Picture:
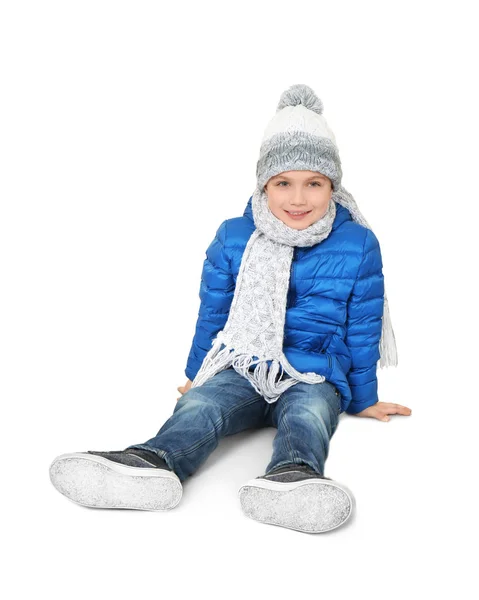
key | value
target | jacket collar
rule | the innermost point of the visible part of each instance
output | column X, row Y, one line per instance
column 342, row 214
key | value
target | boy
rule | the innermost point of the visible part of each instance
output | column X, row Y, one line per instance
column 292, row 322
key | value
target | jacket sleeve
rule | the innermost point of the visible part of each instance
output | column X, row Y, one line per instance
column 364, row 326
column 216, row 294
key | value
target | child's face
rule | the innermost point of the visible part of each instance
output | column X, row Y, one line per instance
column 298, row 191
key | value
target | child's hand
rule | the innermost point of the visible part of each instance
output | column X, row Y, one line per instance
column 185, row 388
column 381, row 410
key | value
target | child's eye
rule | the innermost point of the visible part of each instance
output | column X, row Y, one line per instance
column 313, row 183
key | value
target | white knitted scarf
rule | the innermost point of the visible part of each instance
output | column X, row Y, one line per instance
column 253, row 334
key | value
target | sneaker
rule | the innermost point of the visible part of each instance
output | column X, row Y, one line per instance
column 132, row 478
column 297, row 497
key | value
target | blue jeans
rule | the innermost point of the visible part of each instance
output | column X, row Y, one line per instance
column 305, row 416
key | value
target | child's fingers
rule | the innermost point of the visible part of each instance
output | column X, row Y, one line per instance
column 389, row 408
column 393, row 408
column 376, row 413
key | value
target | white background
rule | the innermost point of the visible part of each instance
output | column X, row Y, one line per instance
column 129, row 132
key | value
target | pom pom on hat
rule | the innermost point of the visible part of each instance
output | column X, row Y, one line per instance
column 301, row 94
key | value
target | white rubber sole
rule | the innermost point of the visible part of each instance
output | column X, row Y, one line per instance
column 97, row 482
column 310, row 505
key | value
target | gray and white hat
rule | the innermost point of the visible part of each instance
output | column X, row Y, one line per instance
column 298, row 138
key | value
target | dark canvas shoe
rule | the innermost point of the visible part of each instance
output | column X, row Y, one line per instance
column 296, row 497
column 132, row 478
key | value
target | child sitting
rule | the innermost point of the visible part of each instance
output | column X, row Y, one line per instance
column 292, row 322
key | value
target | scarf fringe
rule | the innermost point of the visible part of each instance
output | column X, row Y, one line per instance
column 215, row 361
column 387, row 345
column 262, row 378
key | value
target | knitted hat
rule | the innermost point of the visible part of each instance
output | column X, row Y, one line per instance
column 298, row 138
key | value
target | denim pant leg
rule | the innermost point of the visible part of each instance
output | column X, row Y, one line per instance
column 306, row 417
column 225, row 404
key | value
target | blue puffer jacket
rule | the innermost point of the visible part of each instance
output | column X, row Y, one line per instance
column 334, row 308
